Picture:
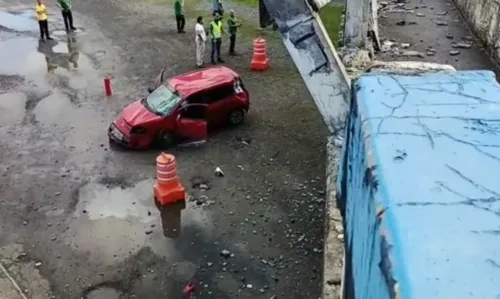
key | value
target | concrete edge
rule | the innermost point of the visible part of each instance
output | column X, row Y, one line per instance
column 334, row 256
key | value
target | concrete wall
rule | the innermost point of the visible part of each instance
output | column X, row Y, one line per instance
column 418, row 187
column 484, row 18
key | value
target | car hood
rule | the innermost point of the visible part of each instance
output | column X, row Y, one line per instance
column 136, row 114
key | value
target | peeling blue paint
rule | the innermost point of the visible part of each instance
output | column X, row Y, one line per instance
column 419, row 186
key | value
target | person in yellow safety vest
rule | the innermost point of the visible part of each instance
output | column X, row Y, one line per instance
column 41, row 14
column 216, row 32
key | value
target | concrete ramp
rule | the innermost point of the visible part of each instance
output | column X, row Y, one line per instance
column 418, row 187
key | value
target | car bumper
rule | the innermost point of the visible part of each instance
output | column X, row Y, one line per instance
column 120, row 140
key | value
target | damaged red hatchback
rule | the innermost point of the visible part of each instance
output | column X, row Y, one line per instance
column 182, row 108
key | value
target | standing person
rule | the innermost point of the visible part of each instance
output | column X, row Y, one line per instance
column 65, row 6
column 41, row 13
column 233, row 24
column 179, row 15
column 216, row 31
column 217, row 7
column 200, row 39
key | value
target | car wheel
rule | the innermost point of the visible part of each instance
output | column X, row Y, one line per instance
column 236, row 117
column 165, row 139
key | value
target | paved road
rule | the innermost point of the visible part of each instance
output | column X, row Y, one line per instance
column 432, row 25
column 74, row 213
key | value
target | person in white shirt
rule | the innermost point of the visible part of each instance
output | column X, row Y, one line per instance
column 200, row 39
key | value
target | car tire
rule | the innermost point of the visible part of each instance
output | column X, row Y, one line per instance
column 236, row 117
column 165, row 139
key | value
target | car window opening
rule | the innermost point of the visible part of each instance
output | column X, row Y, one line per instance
column 194, row 112
column 162, row 100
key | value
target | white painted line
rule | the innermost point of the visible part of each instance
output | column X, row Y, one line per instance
column 14, row 283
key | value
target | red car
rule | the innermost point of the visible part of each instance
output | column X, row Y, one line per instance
column 182, row 108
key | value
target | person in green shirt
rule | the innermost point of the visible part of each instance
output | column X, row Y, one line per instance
column 179, row 15
column 233, row 24
column 65, row 6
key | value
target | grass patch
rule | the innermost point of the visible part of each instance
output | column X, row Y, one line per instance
column 254, row 3
column 331, row 15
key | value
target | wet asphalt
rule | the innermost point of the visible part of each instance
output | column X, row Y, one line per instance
column 77, row 219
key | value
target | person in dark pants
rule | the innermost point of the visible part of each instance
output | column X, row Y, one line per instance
column 179, row 15
column 217, row 7
column 41, row 14
column 233, row 25
column 216, row 31
column 65, row 6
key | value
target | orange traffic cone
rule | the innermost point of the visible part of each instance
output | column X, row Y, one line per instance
column 260, row 62
column 167, row 189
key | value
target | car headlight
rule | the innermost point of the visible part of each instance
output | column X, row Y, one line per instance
column 137, row 130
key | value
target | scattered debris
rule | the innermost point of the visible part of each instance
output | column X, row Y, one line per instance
column 420, row 15
column 244, row 141
column 249, row 286
column 449, row 36
column 405, row 45
column 209, row 264
column 461, row 45
column 441, row 23
column 412, row 23
column 149, row 232
column 442, row 13
column 225, row 253
column 401, row 23
column 189, row 289
column 412, row 54
column 430, row 52
column 218, row 172
column 454, row 52
column 197, row 143
column 38, row 264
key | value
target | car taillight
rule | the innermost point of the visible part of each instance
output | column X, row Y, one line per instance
column 137, row 130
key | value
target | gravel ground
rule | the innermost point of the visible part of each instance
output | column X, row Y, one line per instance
column 433, row 31
column 77, row 218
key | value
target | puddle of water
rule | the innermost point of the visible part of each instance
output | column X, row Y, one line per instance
column 104, row 293
column 61, row 47
column 112, row 223
column 20, row 57
column 101, row 202
column 12, row 108
column 53, row 109
column 24, row 21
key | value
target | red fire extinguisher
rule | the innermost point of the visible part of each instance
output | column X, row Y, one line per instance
column 107, row 86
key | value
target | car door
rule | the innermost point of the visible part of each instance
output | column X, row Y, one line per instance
column 219, row 101
column 191, row 123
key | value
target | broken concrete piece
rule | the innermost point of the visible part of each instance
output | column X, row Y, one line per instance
column 401, row 23
column 420, row 15
column 412, row 54
column 454, row 53
column 441, row 23
column 405, row 46
column 462, row 46
column 218, row 172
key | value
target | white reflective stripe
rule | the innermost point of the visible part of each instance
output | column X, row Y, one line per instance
column 166, row 168
column 165, row 173
column 166, row 180
column 160, row 164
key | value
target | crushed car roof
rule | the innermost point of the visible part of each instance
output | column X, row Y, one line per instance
column 193, row 82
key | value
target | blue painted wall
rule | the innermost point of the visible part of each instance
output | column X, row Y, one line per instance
column 419, row 186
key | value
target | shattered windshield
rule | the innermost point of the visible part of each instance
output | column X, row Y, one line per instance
column 163, row 100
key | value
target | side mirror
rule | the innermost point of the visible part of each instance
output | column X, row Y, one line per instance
column 150, row 90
